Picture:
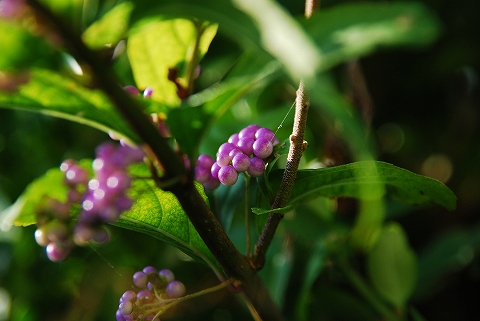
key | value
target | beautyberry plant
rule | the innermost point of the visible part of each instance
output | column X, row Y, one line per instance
column 154, row 182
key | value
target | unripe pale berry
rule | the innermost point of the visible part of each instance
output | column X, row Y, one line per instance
column 241, row 162
column 227, row 175
column 175, row 289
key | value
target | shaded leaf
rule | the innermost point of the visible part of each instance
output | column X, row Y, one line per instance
column 359, row 178
column 262, row 211
column 446, row 254
column 392, row 265
column 313, row 268
column 110, row 28
column 157, row 45
column 348, row 31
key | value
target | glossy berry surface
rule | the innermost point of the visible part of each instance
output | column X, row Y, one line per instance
column 235, row 156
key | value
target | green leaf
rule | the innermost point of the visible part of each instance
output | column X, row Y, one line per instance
column 159, row 214
column 110, row 28
column 157, row 45
column 232, row 22
column 262, row 211
column 52, row 94
column 155, row 212
column 190, row 123
column 392, row 265
column 363, row 179
column 314, row 266
column 22, row 212
column 348, row 31
column 18, row 52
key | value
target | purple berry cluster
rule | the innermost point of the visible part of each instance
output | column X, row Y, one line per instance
column 155, row 290
column 100, row 200
column 243, row 152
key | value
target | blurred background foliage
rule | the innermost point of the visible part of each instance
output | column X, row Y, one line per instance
column 425, row 118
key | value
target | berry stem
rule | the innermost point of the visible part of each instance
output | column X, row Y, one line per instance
column 194, row 59
column 247, row 216
column 232, row 261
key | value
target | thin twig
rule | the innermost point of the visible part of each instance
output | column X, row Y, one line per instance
column 297, row 146
column 247, row 217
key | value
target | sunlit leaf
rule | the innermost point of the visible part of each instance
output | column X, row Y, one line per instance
column 155, row 212
column 392, row 265
column 22, row 212
column 110, row 28
column 52, row 94
column 159, row 214
column 232, row 22
column 21, row 50
column 158, row 45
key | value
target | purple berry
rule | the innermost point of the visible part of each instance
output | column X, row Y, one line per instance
column 264, row 133
column 245, row 144
column 125, row 308
column 140, row 279
column 233, row 139
column 57, row 252
column 212, row 183
column 205, row 161
column 147, row 93
column 167, row 275
column 228, row 175
column 128, row 296
column 175, row 289
column 214, row 171
column 131, row 90
column 82, row 234
column 248, row 131
column 202, row 174
column 118, row 181
column 262, row 147
column 145, row 297
column 124, row 203
column 256, row 168
column 76, row 176
column 226, row 148
column 150, row 271
column 234, row 152
column 241, row 162
column 223, row 158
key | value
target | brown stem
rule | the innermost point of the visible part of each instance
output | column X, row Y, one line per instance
column 208, row 227
column 297, row 146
